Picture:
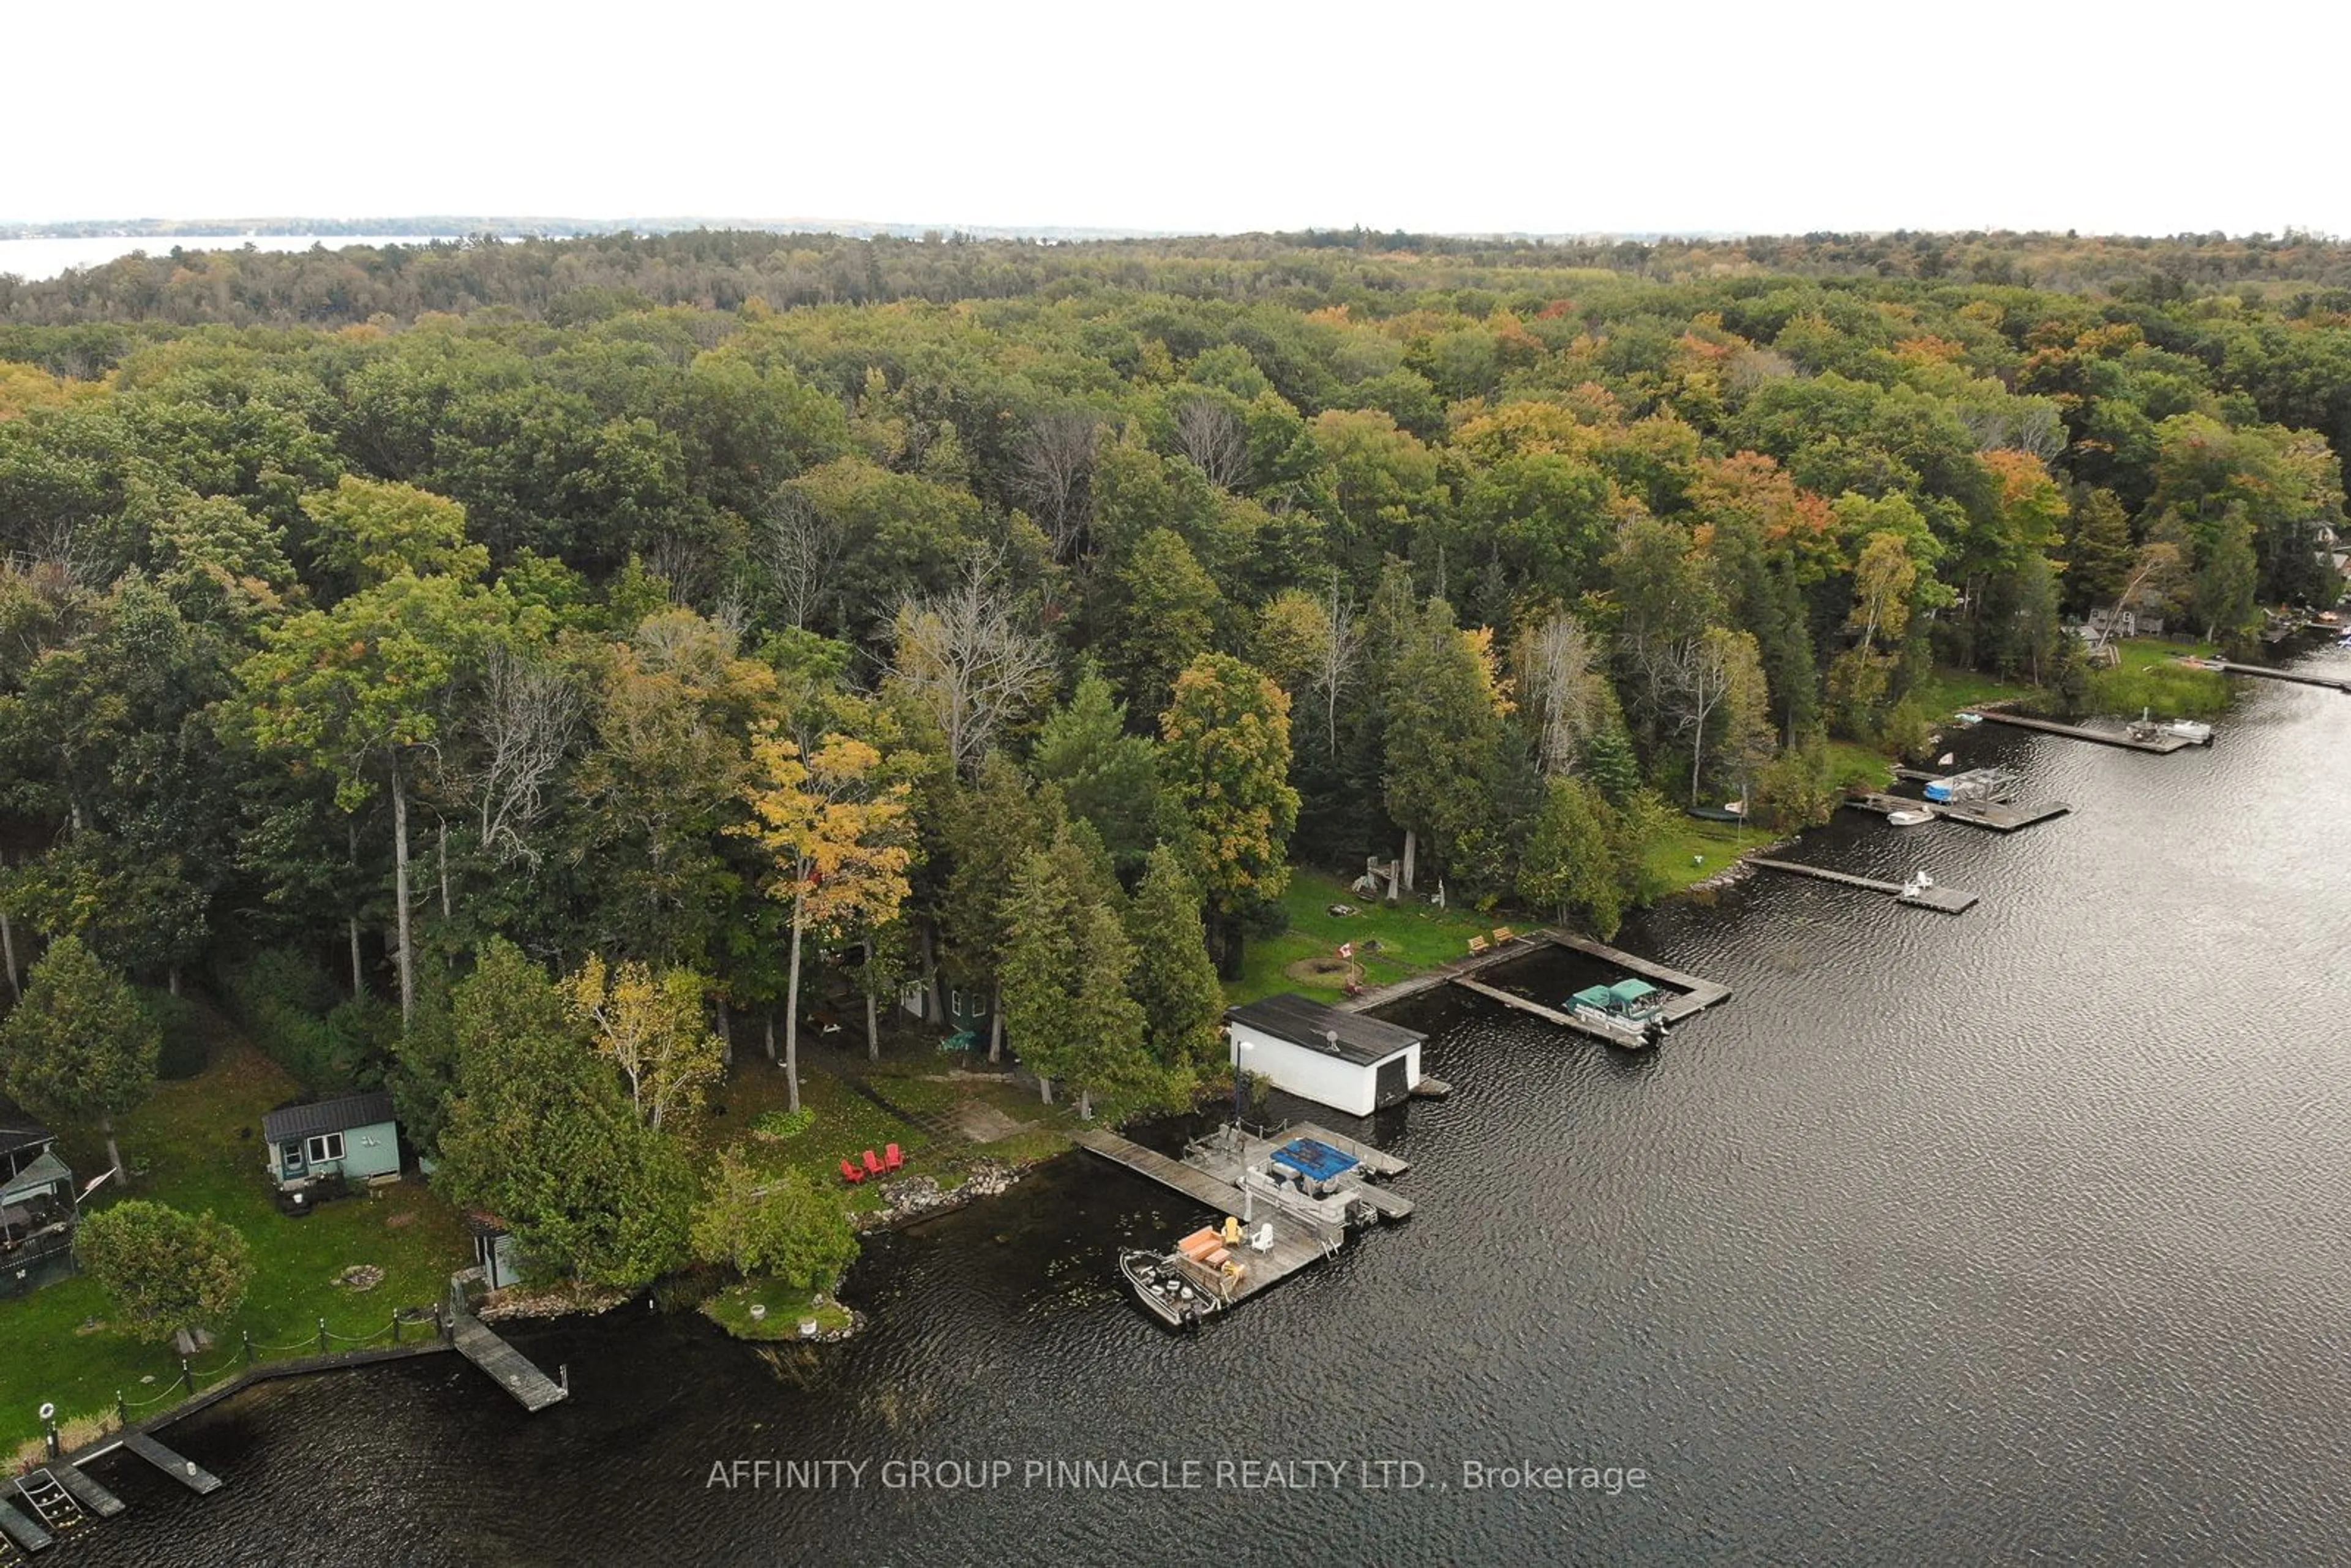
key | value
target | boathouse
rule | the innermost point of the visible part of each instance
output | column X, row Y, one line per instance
column 352, row 1138
column 37, row 1206
column 1345, row 1060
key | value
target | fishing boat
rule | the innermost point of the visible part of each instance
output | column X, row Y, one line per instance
column 1160, row 1284
column 2191, row 729
column 1630, row 1012
column 1909, row 816
column 1970, row 719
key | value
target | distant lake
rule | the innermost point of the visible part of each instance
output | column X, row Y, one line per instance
column 31, row 259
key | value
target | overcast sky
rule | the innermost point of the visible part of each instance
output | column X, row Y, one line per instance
column 1466, row 116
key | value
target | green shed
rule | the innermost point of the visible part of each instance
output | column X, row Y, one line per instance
column 353, row 1138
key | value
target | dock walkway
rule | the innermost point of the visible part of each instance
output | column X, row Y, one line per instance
column 1429, row 979
column 2263, row 672
column 2161, row 744
column 2001, row 816
column 84, row 1491
column 1696, row 995
column 187, row 1472
column 19, row 1529
column 509, row 1367
column 1948, row 900
column 1195, row 1184
column 1549, row 1015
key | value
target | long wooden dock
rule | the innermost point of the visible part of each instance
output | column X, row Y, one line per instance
column 1429, row 979
column 509, row 1367
column 2001, row 816
column 1549, row 1015
column 84, row 1491
column 2263, row 672
column 1197, row 1185
column 187, row 1472
column 2160, row 745
column 1948, row 900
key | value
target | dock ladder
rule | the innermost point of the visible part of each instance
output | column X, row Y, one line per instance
column 51, row 1504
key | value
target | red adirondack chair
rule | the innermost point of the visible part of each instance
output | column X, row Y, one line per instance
column 892, row 1157
column 852, row 1173
column 872, row 1162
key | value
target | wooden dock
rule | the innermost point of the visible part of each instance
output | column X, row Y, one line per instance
column 1429, row 979
column 2263, row 672
column 1696, row 995
column 2160, row 745
column 1226, row 1172
column 1948, row 900
column 20, row 1532
column 509, row 1367
column 84, row 1491
column 187, row 1472
column 1549, row 1015
column 2001, row 816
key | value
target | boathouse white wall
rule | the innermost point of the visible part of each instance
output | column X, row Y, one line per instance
column 1316, row 1075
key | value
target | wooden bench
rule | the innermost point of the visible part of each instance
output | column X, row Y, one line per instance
column 1477, row 944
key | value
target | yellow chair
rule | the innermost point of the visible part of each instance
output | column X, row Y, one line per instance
column 1477, row 944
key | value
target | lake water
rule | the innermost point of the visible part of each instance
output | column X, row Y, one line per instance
column 32, row 259
column 2015, row 1234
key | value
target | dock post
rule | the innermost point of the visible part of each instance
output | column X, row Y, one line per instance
column 248, row 1347
column 563, row 1376
column 187, row 1377
column 49, row 1430
column 322, row 1337
column 122, row 1410
column 395, row 1326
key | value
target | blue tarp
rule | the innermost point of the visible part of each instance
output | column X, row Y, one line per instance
column 1318, row 1159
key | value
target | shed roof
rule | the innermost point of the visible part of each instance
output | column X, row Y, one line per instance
column 1351, row 1036
column 326, row 1116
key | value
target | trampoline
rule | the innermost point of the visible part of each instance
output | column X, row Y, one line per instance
column 1313, row 1158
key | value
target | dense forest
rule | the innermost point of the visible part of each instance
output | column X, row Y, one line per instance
column 711, row 618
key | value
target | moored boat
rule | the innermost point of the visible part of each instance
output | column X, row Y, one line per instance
column 1630, row 1012
column 1160, row 1284
column 1909, row 816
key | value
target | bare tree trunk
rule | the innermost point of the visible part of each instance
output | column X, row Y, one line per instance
column 399, row 894
column 792, row 1011
column 931, row 973
column 726, row 1034
column 8, row 955
column 771, row 1035
column 872, row 1008
column 1045, row 1088
column 1411, row 842
column 113, row 1152
column 995, row 1025
column 1086, row 1104
column 444, row 871
column 359, row 973
column 171, row 979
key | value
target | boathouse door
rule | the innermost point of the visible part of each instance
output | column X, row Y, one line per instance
column 1391, row 1087
column 290, row 1162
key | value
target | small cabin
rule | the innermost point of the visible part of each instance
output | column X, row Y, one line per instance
column 352, row 1138
column 37, row 1206
column 1342, row 1059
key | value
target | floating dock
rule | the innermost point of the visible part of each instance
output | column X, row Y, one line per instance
column 1948, row 900
column 20, row 1530
column 508, row 1367
column 187, row 1472
column 2263, row 672
column 84, row 1491
column 2001, row 816
column 1226, row 1172
column 2161, row 744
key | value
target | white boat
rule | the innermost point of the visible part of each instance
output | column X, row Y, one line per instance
column 2191, row 729
column 1909, row 816
column 1630, row 1012
column 1970, row 719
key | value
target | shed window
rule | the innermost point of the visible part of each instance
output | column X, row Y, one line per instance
column 326, row 1147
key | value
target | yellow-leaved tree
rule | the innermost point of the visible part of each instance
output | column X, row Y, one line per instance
column 836, row 832
column 653, row 1027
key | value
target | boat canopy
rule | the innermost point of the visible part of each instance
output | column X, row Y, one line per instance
column 1631, row 993
column 1600, row 997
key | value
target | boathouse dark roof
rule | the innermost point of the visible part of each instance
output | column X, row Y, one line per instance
column 1365, row 1041
column 326, row 1116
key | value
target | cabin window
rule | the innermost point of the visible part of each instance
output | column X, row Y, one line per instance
column 955, row 1003
column 326, row 1147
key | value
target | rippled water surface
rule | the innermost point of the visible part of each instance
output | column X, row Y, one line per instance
column 2018, row 1232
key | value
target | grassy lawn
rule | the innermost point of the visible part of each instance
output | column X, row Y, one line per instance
column 786, row 1306
column 2150, row 676
column 1690, row 851
column 1948, row 691
column 1411, row 936
column 845, row 1122
column 199, row 1141
column 1855, row 767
